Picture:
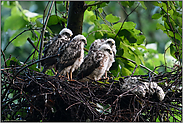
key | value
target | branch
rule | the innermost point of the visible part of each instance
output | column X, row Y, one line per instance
column 43, row 31
column 136, row 64
column 19, row 35
column 3, row 95
column 125, row 20
column 28, row 39
column 4, row 58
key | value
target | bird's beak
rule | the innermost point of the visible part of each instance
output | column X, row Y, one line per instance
column 110, row 52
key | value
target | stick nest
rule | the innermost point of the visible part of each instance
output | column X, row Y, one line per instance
column 34, row 96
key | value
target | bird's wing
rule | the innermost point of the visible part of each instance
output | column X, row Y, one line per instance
column 48, row 45
column 69, row 54
column 91, row 62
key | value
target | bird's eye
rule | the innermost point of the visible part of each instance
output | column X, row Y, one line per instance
column 110, row 42
column 68, row 35
column 108, row 50
column 83, row 40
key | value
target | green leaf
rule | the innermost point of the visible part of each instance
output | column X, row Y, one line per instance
column 129, row 25
column 53, row 20
column 92, row 18
column 100, row 10
column 180, row 4
column 103, row 4
column 128, row 35
column 117, row 26
column 140, row 39
column 156, row 3
column 14, row 22
column 172, row 50
column 143, row 5
column 112, row 18
column 39, row 24
column 156, row 16
column 34, row 67
column 127, row 3
column 88, row 17
column 125, row 72
column 13, row 61
column 137, row 60
column 8, row 4
column 105, row 27
column 15, row 11
column 89, row 2
column 143, row 47
column 59, row 2
column 21, row 39
column 31, row 16
column 160, row 26
column 120, row 52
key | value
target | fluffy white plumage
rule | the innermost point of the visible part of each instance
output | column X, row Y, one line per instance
column 71, row 56
column 98, row 43
column 52, row 47
column 95, row 63
column 66, row 34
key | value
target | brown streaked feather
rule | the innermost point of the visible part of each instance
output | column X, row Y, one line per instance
column 91, row 62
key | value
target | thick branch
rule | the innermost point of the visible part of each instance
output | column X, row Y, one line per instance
column 75, row 17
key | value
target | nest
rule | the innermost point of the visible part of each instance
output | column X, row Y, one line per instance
column 40, row 97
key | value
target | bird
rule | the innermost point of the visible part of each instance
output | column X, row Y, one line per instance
column 71, row 56
column 98, row 43
column 95, row 64
column 53, row 46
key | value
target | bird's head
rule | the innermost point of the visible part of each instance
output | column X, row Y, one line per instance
column 106, row 48
column 110, row 41
column 67, row 32
column 80, row 38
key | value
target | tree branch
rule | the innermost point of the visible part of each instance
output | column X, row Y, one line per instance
column 43, row 31
column 136, row 64
column 126, row 19
column 19, row 35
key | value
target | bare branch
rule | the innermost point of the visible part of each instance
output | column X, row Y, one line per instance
column 43, row 31
column 125, row 20
column 136, row 63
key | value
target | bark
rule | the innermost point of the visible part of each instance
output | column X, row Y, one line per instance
column 75, row 17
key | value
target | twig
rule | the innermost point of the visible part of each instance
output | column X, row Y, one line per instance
column 134, row 69
column 136, row 63
column 125, row 20
column 35, row 63
column 28, row 39
column 3, row 95
column 4, row 58
column 72, row 105
column 43, row 31
column 29, row 56
column 122, row 8
column 105, row 22
column 19, row 35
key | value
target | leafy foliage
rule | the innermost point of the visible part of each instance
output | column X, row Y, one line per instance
column 131, row 41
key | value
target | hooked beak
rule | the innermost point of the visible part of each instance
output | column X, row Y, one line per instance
column 85, row 44
column 110, row 52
